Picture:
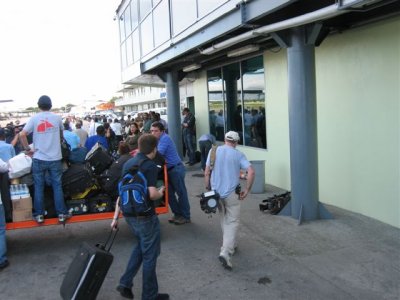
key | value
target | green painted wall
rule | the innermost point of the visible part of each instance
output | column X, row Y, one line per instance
column 358, row 120
column 358, row 106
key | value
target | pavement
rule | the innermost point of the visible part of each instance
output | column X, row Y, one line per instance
column 348, row 257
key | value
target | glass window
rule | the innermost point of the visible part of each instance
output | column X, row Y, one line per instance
column 129, row 51
column 236, row 99
column 136, row 44
column 216, row 105
column 144, row 8
column 254, row 102
column 184, row 13
column 206, row 6
column 122, row 27
column 146, row 32
column 134, row 14
column 127, row 20
column 123, row 55
column 161, row 27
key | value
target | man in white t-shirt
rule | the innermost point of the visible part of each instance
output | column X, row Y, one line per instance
column 47, row 131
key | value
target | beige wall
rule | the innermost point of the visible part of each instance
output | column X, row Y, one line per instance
column 358, row 105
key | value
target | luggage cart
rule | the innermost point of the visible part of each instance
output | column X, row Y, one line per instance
column 161, row 209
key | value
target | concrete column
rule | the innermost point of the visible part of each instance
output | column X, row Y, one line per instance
column 173, row 110
column 303, row 126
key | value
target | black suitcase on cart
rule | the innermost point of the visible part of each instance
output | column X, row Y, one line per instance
column 98, row 159
column 87, row 271
column 76, row 179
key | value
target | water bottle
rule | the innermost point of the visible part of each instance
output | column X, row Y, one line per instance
column 12, row 192
column 25, row 191
column 19, row 191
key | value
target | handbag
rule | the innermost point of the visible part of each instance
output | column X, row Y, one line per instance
column 19, row 165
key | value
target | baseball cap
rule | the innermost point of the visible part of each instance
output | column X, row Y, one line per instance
column 232, row 136
column 44, row 101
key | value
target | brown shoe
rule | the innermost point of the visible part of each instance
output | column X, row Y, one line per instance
column 181, row 221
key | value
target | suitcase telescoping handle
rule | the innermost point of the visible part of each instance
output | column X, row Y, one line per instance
column 109, row 241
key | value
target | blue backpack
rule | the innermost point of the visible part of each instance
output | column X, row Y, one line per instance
column 133, row 193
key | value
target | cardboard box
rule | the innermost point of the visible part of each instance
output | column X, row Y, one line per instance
column 22, row 204
column 22, row 215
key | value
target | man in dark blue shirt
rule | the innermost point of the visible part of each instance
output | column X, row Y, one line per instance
column 146, row 227
column 176, row 176
column 99, row 137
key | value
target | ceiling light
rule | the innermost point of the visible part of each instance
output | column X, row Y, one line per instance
column 244, row 50
column 192, row 67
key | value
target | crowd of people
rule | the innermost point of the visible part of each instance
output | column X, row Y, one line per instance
column 145, row 137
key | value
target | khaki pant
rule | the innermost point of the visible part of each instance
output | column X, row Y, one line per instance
column 229, row 211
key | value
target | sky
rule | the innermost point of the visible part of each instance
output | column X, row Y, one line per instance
column 66, row 49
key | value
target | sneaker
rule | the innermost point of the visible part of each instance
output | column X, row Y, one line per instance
column 63, row 217
column 172, row 220
column 162, row 297
column 125, row 292
column 225, row 261
column 181, row 221
column 39, row 219
column 4, row 265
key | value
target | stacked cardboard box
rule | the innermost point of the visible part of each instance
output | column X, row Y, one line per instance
column 22, row 209
column 21, row 203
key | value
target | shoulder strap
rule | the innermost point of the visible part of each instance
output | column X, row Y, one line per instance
column 213, row 155
column 138, row 166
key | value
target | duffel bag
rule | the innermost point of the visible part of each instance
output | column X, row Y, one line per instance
column 76, row 179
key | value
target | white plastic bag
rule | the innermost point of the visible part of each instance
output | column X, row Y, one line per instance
column 19, row 165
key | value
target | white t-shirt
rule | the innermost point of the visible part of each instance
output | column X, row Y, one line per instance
column 46, row 128
column 116, row 127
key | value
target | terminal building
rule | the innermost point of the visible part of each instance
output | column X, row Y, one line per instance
column 312, row 87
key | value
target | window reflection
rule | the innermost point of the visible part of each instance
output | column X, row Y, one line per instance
column 237, row 100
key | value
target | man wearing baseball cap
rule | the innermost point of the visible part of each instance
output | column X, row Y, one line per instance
column 228, row 161
column 47, row 129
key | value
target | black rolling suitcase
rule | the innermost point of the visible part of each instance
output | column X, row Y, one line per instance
column 87, row 271
column 98, row 159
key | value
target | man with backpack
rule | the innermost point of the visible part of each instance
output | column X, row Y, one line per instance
column 137, row 189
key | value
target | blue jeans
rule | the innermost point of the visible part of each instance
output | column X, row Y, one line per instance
column 205, row 147
column 176, row 184
column 146, row 251
column 190, row 147
column 3, row 245
column 54, row 169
